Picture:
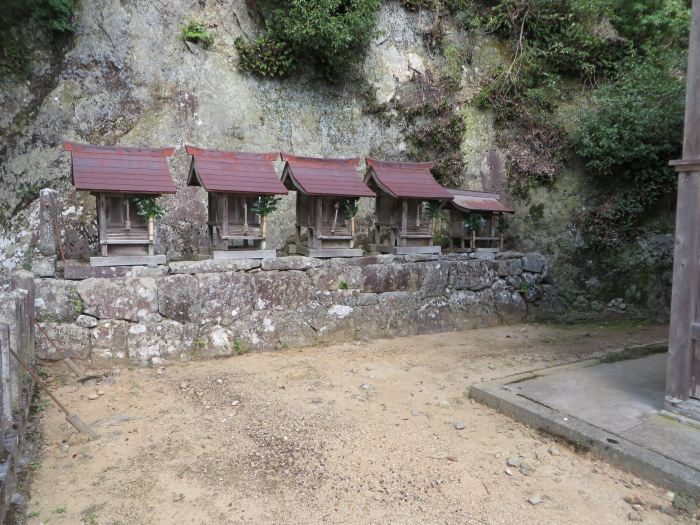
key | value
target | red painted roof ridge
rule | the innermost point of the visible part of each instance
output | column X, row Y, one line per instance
column 229, row 154
column 320, row 160
column 398, row 164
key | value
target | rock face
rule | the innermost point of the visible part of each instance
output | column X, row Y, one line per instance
column 299, row 301
column 111, row 88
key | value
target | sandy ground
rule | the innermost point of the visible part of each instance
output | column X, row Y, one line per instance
column 361, row 432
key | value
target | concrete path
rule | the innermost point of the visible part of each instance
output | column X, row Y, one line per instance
column 614, row 408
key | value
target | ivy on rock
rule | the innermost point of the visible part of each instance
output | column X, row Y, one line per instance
column 325, row 35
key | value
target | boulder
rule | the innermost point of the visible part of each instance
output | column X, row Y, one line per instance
column 534, row 263
column 86, row 321
column 178, row 298
column 73, row 341
column 281, row 290
column 56, row 300
column 399, row 310
column 506, row 267
column 226, row 297
column 217, row 341
column 111, row 336
column 293, row 262
column 470, row 275
column 165, row 339
column 44, row 265
column 391, row 277
column 214, row 265
column 128, row 298
column 434, row 278
column 336, row 277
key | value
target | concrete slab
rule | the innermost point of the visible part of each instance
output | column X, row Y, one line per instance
column 614, row 409
column 613, row 396
column 128, row 260
column 326, row 253
column 244, row 254
column 668, row 437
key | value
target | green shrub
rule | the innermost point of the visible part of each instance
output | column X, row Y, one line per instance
column 196, row 32
column 147, row 207
column 625, row 142
column 265, row 57
column 327, row 35
column 20, row 20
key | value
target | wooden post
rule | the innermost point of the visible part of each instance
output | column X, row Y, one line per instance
column 5, row 376
column 102, row 218
column 683, row 368
column 473, row 241
column 318, row 243
column 404, row 223
column 245, row 215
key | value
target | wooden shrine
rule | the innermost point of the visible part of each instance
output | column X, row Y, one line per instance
column 475, row 217
column 118, row 177
column 327, row 191
column 404, row 191
column 238, row 186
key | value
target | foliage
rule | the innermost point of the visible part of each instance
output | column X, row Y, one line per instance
column 503, row 224
column 238, row 347
column 625, row 143
column 438, row 130
column 147, row 207
column 652, row 24
column 326, row 35
column 265, row 56
column 20, row 20
column 433, row 210
column 196, row 32
column 628, row 52
column 349, row 207
column 474, row 222
column 265, row 205
column 56, row 15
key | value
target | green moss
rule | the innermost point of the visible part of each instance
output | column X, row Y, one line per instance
column 196, row 32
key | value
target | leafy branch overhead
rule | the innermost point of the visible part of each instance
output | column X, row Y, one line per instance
column 325, row 35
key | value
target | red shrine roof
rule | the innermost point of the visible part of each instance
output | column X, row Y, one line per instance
column 405, row 180
column 331, row 177
column 465, row 200
column 234, row 172
column 120, row 169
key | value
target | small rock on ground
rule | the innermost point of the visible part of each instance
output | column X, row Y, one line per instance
column 513, row 462
column 534, row 500
column 459, row 425
column 92, row 396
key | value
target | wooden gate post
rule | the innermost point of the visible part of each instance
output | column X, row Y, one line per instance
column 683, row 368
column 5, row 381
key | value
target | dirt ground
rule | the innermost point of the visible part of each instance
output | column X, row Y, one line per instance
column 362, row 432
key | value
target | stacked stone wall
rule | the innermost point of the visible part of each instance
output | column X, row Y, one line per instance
column 218, row 308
